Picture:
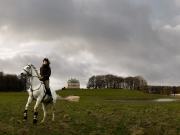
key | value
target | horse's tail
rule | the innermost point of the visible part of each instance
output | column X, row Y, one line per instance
column 69, row 98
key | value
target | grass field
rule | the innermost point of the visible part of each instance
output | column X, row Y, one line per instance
column 99, row 112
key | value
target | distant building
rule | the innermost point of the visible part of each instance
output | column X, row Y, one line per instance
column 73, row 84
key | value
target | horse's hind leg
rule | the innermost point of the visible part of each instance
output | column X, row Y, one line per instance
column 53, row 111
column 26, row 107
column 45, row 113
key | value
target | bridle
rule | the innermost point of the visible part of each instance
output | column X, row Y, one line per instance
column 29, row 74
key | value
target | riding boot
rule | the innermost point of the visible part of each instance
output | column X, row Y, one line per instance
column 48, row 91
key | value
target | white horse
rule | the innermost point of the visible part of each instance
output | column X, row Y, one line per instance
column 37, row 91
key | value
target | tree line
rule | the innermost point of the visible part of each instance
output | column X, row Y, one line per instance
column 165, row 90
column 116, row 82
column 10, row 82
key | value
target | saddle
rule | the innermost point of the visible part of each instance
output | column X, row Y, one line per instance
column 49, row 99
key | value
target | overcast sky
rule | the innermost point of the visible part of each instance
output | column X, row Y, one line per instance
column 89, row 37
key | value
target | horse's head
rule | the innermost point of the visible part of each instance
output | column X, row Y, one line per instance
column 27, row 71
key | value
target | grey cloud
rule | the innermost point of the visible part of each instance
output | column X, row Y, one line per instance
column 101, row 20
column 124, row 36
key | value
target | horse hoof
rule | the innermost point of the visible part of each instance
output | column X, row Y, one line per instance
column 34, row 121
column 25, row 119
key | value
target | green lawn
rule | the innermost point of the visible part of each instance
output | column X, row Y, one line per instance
column 95, row 114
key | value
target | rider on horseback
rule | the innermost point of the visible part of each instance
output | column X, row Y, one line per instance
column 45, row 72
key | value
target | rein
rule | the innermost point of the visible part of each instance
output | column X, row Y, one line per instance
column 30, row 75
column 37, row 88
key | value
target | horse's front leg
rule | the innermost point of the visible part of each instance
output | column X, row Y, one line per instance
column 38, row 101
column 26, row 107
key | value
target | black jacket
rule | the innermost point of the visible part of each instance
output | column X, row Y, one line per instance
column 45, row 72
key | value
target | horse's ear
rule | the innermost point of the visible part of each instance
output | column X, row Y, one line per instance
column 29, row 64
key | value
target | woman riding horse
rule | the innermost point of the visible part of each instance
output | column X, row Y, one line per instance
column 37, row 90
column 45, row 72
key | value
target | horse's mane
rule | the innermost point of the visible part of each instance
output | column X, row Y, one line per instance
column 35, row 69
